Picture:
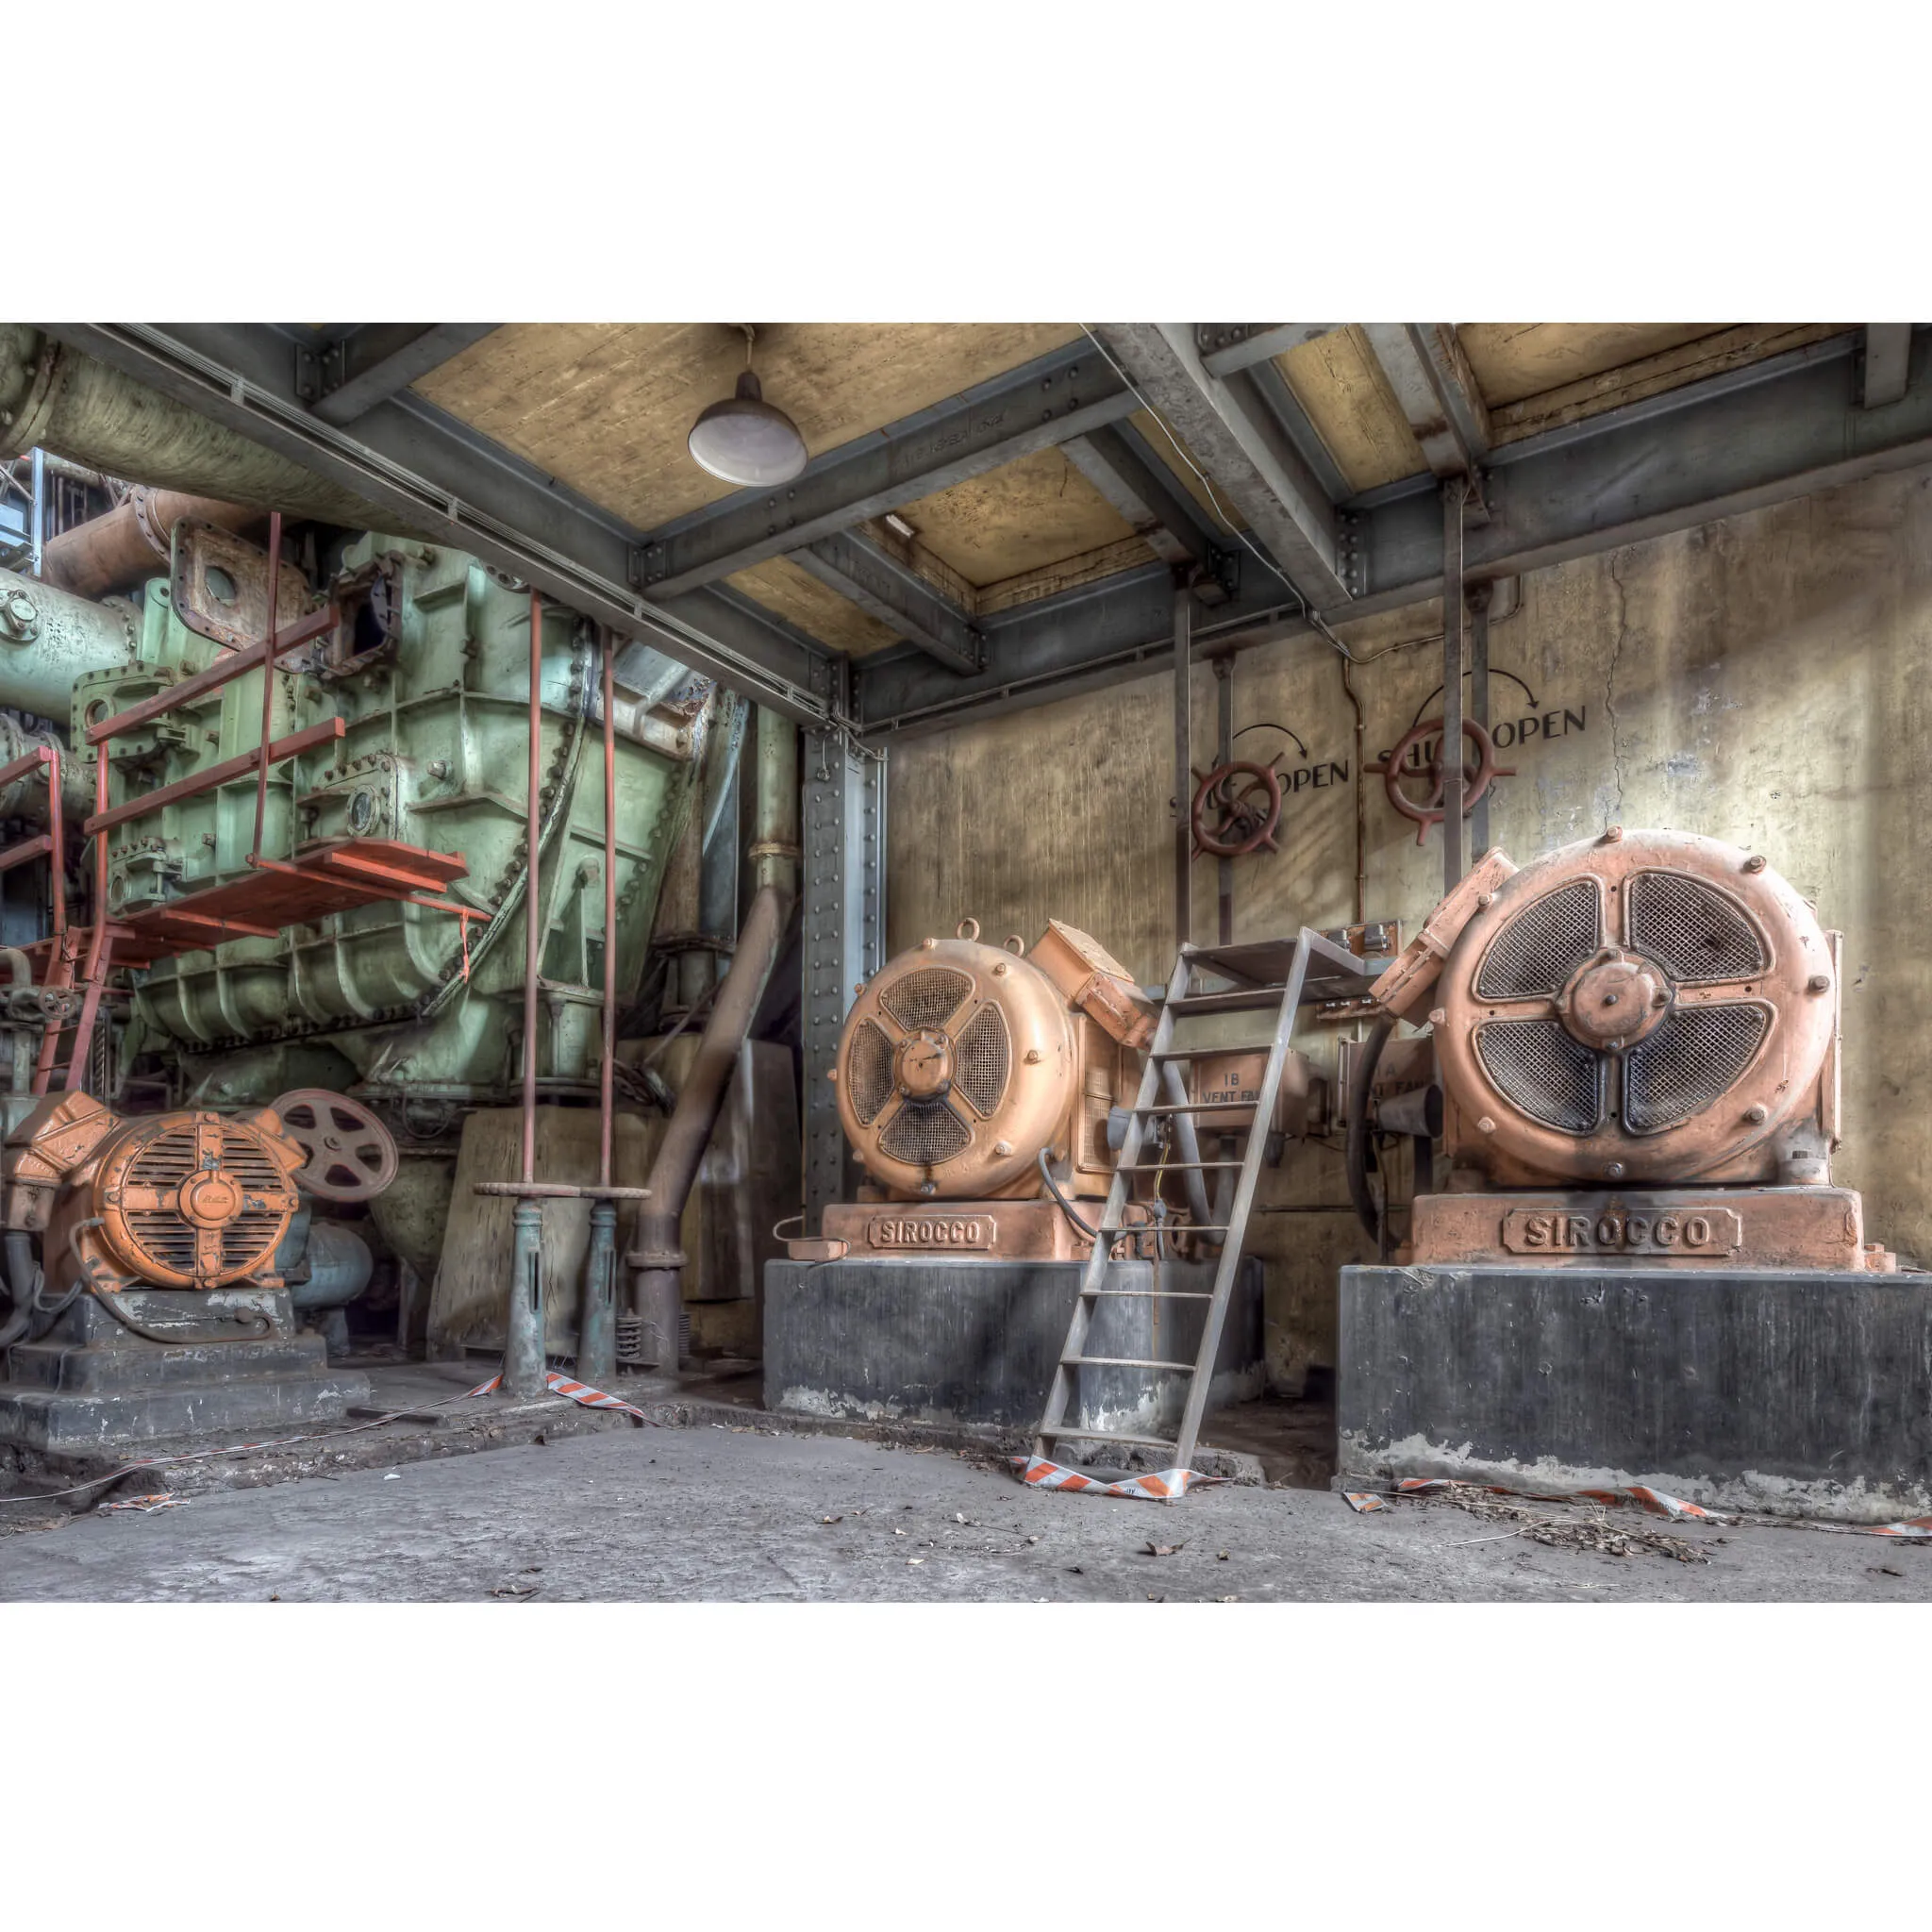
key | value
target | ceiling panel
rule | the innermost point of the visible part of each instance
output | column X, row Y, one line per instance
column 799, row 598
column 1341, row 386
column 1514, row 359
column 1019, row 517
column 605, row 407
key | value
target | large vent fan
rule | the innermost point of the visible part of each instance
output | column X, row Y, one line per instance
column 1634, row 1005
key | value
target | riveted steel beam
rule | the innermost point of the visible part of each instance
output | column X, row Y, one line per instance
column 1742, row 442
column 1437, row 393
column 346, row 378
column 896, row 595
column 442, row 480
column 1044, row 402
column 1225, row 347
column 1119, row 463
column 1232, row 442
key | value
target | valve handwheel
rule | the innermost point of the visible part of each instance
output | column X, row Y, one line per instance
column 350, row 1155
column 1245, row 800
column 1428, row 811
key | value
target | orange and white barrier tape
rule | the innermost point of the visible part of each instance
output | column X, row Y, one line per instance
column 1164, row 1486
column 573, row 1390
column 1655, row 1501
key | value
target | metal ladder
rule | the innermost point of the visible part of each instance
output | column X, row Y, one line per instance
column 1281, row 973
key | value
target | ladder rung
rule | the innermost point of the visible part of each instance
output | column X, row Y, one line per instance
column 1164, row 1227
column 1197, row 1107
column 1121, row 1361
column 1209, row 1053
column 1248, row 1001
column 1179, row 1166
column 1107, row 1436
column 1152, row 1294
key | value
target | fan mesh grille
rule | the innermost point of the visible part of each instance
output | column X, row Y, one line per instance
column 1545, row 943
column 981, row 1060
column 1695, row 933
column 168, row 1238
column 869, row 1071
column 924, row 1133
column 1538, row 1066
column 927, row 997
column 1693, row 1059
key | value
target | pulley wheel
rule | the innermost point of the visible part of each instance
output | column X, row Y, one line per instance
column 349, row 1155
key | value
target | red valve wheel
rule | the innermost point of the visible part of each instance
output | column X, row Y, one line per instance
column 350, row 1155
column 1428, row 811
column 1245, row 800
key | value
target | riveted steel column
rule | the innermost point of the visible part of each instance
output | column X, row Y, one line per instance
column 1183, row 763
column 844, row 933
column 1479, row 703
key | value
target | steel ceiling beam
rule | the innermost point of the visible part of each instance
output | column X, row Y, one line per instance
column 441, row 478
column 1120, row 464
column 1437, row 390
column 346, row 378
column 1798, row 425
column 1887, row 352
column 1225, row 347
column 896, row 595
column 1239, row 447
column 1044, row 402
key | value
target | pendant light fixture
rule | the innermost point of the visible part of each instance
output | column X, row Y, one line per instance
column 743, row 439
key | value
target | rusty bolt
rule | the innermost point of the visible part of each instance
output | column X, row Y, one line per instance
column 905, row 1092
column 439, row 768
column 831, row 1072
column 1819, row 982
column 1437, row 1015
column 926, row 945
column 1002, row 1147
column 927, row 1189
column 1754, row 863
column 1484, row 901
column 858, row 986
column 1486, row 1125
column 1034, row 1056
column 1614, row 1172
column 1613, row 835
column 999, row 968
column 1758, row 1115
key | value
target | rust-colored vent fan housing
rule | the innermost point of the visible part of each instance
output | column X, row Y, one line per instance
column 1643, row 1008
column 962, row 1062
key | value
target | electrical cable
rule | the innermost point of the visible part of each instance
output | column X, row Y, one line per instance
column 1092, row 1234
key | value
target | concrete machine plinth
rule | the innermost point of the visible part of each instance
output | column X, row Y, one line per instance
column 931, row 1339
column 241, row 1365
column 1791, row 1394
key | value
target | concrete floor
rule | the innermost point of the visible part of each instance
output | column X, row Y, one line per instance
column 715, row 1513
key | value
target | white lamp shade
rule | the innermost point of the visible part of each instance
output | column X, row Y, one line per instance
column 745, row 440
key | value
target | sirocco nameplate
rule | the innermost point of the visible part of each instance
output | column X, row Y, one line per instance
column 931, row 1231
column 1715, row 1232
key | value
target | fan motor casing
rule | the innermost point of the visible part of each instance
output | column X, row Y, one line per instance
column 1678, row 926
column 952, row 1052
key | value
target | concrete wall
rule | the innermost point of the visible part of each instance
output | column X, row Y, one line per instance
column 1761, row 680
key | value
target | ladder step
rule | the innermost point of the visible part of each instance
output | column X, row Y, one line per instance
column 1180, row 1166
column 1121, row 1361
column 1250, row 1001
column 1108, row 1435
column 1151, row 1294
column 1158, row 1227
column 1196, row 1107
column 1209, row 1053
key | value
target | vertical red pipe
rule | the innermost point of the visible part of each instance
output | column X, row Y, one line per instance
column 100, row 928
column 533, row 911
column 268, row 673
column 57, row 839
column 604, row 1085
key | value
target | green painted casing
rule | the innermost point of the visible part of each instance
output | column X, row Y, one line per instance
column 434, row 754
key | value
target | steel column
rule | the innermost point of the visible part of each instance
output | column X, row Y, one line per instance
column 1449, row 760
column 844, row 937
column 1183, row 763
column 1478, row 598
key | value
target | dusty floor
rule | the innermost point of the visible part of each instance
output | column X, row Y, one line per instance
column 710, row 1513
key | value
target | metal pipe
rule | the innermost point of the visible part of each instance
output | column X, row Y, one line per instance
column 132, row 541
column 533, row 897
column 606, row 1072
column 1361, row 822
column 1479, row 599
column 1189, row 1142
column 1449, row 758
column 65, row 402
column 1223, row 753
column 49, row 638
column 268, row 677
column 1183, row 763
column 656, row 1294
column 37, row 515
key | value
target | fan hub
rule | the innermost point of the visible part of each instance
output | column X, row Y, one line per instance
column 924, row 1064
column 1614, row 1001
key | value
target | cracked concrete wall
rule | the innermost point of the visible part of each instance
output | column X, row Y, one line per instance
column 1761, row 680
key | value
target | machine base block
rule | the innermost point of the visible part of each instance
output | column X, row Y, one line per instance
column 1786, row 1393
column 91, row 1383
column 938, row 1340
